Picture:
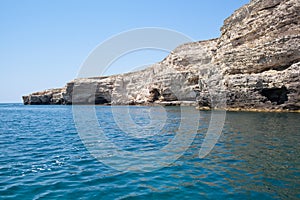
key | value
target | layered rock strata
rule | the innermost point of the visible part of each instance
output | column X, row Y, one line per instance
column 254, row 65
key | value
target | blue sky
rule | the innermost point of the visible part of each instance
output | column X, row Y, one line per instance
column 43, row 43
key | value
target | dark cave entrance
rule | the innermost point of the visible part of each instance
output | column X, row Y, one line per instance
column 277, row 95
column 100, row 100
column 154, row 95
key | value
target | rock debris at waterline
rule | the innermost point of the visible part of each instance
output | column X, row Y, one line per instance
column 255, row 61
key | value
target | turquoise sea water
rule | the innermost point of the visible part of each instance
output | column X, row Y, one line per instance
column 43, row 157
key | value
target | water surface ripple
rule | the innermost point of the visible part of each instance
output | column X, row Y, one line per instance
column 42, row 157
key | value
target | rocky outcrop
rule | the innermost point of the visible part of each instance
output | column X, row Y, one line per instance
column 259, row 55
column 254, row 65
column 51, row 96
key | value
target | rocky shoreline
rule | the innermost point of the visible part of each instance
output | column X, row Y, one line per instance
column 253, row 66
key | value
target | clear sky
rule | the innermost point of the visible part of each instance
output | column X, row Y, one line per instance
column 43, row 42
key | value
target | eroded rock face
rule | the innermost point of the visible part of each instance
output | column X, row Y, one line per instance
column 261, row 36
column 255, row 64
column 258, row 53
column 51, row 96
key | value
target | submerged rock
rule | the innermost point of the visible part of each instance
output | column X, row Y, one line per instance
column 255, row 64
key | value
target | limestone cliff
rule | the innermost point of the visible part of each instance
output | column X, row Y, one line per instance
column 258, row 53
column 255, row 63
